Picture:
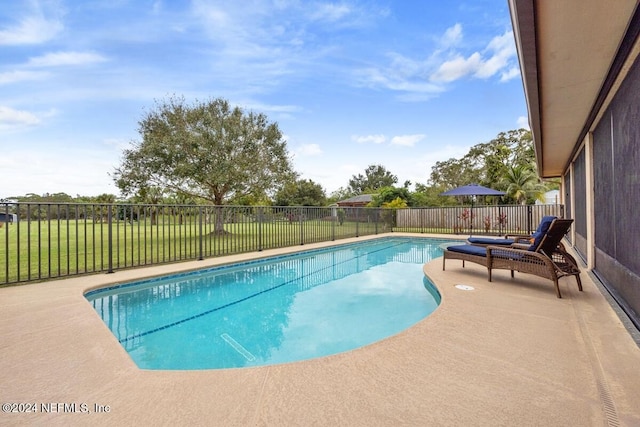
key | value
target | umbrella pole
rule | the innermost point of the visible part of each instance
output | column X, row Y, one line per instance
column 471, row 219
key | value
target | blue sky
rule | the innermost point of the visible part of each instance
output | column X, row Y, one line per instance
column 350, row 83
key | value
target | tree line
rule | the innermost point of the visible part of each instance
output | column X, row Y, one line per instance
column 212, row 153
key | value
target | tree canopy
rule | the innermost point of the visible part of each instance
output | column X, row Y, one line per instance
column 206, row 150
column 303, row 192
column 486, row 163
column 398, row 197
column 505, row 163
column 375, row 177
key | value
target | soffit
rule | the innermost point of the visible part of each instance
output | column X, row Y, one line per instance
column 566, row 49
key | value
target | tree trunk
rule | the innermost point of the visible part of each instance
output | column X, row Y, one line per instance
column 218, row 228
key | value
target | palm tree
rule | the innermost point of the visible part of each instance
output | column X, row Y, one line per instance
column 105, row 203
column 522, row 183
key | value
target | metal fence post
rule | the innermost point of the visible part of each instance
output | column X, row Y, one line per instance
column 334, row 219
column 377, row 217
column 110, row 239
column 301, row 225
column 6, row 246
column 259, row 214
column 200, row 236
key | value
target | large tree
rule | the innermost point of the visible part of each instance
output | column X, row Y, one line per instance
column 375, row 177
column 206, row 150
column 304, row 192
column 486, row 163
column 387, row 195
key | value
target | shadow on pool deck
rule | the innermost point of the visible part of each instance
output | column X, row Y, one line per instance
column 505, row 353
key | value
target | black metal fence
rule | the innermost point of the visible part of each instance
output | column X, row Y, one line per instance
column 41, row 241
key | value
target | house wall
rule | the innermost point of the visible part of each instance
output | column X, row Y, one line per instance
column 616, row 194
column 580, row 206
column 566, row 188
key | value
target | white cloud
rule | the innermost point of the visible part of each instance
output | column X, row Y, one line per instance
column 39, row 171
column 509, row 74
column 331, row 12
column 503, row 50
column 499, row 58
column 421, row 79
column 412, row 87
column 216, row 17
column 271, row 107
column 523, row 122
column 503, row 45
column 346, row 14
column 66, row 58
column 250, row 44
column 259, row 44
column 376, row 139
column 35, row 28
column 309, row 150
column 457, row 67
column 10, row 118
column 452, row 36
column 274, row 111
column 407, row 140
column 119, row 143
column 10, row 77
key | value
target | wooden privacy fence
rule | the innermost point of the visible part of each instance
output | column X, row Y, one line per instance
column 490, row 220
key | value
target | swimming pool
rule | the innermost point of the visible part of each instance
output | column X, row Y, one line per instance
column 275, row 310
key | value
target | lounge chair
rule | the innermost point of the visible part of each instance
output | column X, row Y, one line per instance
column 510, row 239
column 479, row 256
column 546, row 257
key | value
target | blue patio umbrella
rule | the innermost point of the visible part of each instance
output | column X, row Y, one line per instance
column 472, row 190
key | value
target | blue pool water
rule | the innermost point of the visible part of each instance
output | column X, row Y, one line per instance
column 282, row 309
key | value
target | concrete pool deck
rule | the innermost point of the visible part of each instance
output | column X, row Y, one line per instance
column 505, row 353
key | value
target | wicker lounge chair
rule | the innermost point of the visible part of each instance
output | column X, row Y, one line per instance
column 546, row 257
column 510, row 239
column 479, row 256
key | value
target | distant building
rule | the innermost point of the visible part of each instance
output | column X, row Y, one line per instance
column 7, row 217
column 356, row 201
column 550, row 198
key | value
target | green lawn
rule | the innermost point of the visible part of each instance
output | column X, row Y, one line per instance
column 35, row 250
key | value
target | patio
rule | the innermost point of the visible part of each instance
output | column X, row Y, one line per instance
column 506, row 353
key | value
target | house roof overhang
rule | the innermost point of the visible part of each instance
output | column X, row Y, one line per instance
column 572, row 56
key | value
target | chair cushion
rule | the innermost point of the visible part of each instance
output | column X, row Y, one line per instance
column 545, row 222
column 543, row 226
column 469, row 249
column 539, row 234
column 489, row 241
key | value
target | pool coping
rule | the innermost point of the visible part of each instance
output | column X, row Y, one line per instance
column 507, row 351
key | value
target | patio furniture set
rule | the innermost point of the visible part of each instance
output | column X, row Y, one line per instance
column 541, row 254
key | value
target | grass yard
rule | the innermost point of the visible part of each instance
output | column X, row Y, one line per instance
column 37, row 250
